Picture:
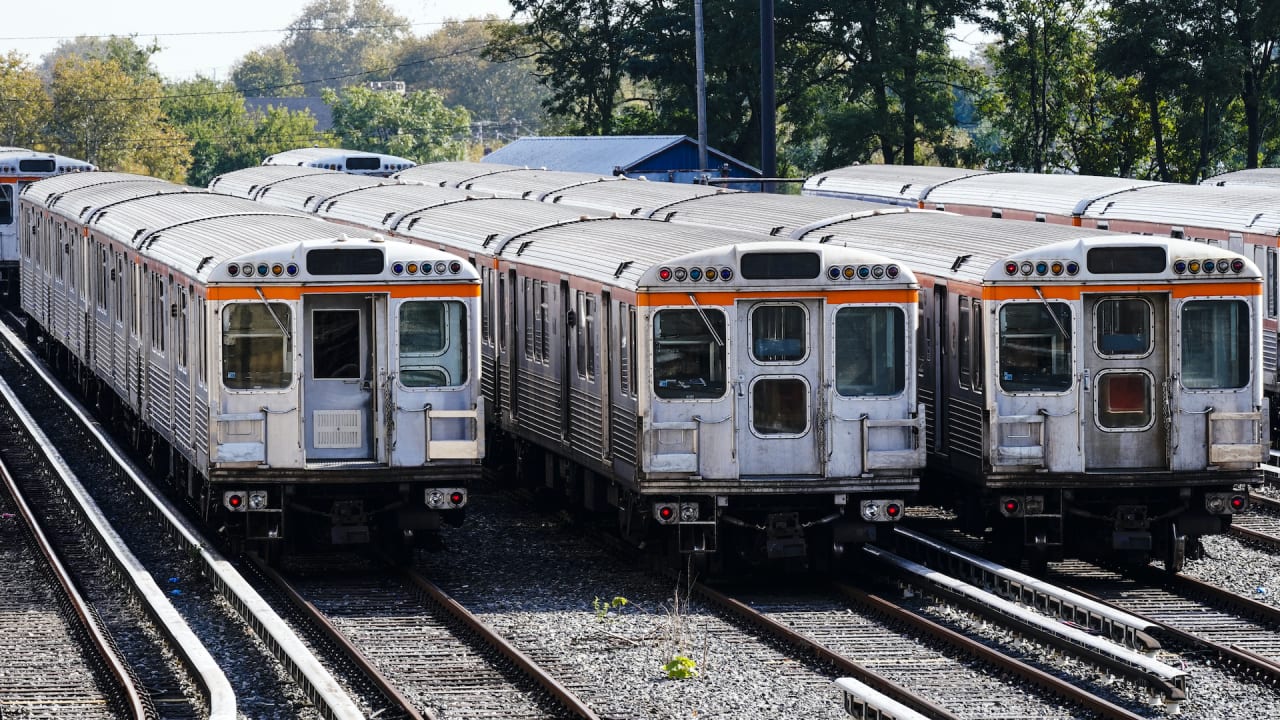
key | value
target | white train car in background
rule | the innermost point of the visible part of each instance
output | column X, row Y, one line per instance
column 20, row 167
column 1266, row 177
column 725, row 394
column 353, row 162
column 297, row 380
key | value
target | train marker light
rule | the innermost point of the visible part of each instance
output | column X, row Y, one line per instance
column 456, row 497
column 681, row 274
column 234, row 500
column 891, row 272
column 664, row 274
column 664, row 513
column 1179, row 266
column 1223, row 265
column 880, row 510
column 1237, row 502
column 1193, row 266
column 441, row 267
column 849, row 272
column 711, row 274
column 726, row 274
column 1237, row 265
column 893, row 510
column 695, row 273
column 233, row 270
column 1073, row 267
column 1224, row 503
column 1011, row 268
column 1010, row 507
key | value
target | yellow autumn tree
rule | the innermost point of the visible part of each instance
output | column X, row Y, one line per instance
column 24, row 105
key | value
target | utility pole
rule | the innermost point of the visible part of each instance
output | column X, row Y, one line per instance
column 702, row 85
column 768, row 102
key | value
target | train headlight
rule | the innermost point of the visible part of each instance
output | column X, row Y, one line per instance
column 258, row 500
column 665, row 513
column 1225, row 503
column 881, row 510
column 446, row 498
column 234, row 500
column 688, row 512
column 1208, row 266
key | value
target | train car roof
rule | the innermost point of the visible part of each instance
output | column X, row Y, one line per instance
column 774, row 215
column 479, row 225
column 386, row 205
column 946, row 245
column 247, row 182
column 522, row 183
column 1267, row 177
column 1064, row 195
column 1241, row 208
column 42, row 191
column 308, row 196
column 899, row 184
column 452, row 174
column 628, row 197
column 341, row 160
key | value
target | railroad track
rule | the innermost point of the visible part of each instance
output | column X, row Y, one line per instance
column 1260, row 525
column 58, row 657
column 427, row 651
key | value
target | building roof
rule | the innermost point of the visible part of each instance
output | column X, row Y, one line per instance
column 602, row 154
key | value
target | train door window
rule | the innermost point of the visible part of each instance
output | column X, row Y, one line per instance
column 624, row 350
column 184, row 327
column 1271, row 283
column 335, row 345
column 486, row 292
column 118, row 281
column 1123, row 327
column 6, row 204
column 963, row 340
column 502, row 312
column 528, row 317
column 1124, row 400
column 870, row 351
column 158, row 313
column 780, row 406
column 979, row 346
column 104, row 271
column 1035, row 347
column 256, row 349
column 545, row 327
column 779, row 333
column 202, row 342
column 689, row 354
column 588, row 326
column 1215, row 344
column 580, row 307
column 433, row 348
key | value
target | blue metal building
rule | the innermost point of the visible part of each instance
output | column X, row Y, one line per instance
column 671, row 158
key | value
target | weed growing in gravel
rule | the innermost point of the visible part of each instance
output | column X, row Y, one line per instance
column 603, row 608
column 681, row 666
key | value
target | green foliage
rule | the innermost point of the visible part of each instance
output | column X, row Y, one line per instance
column 680, row 667
column 24, row 107
column 266, row 73
column 333, row 42
column 416, row 125
column 604, row 607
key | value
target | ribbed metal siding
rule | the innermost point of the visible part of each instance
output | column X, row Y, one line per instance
column 586, row 424
column 159, row 392
column 1269, row 355
column 538, row 406
column 489, row 388
column 622, row 434
column 964, row 428
column 926, row 397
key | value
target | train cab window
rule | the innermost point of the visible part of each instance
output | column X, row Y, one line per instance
column 689, row 354
column 1215, row 344
column 433, row 351
column 1123, row 327
column 1035, row 347
column 256, row 351
column 335, row 345
column 870, row 352
column 6, row 204
column 779, row 333
column 780, row 406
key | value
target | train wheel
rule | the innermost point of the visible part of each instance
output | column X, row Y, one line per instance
column 1175, row 554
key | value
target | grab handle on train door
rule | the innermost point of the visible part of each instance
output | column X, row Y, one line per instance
column 1085, row 380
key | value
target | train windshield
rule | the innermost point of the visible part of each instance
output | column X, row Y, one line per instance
column 6, row 204
column 689, row 353
column 1215, row 344
column 1035, row 347
column 257, row 352
column 870, row 353
column 433, row 348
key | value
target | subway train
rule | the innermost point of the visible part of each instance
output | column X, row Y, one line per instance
column 1078, row 465
column 299, row 382
column 20, row 167
column 1084, row 392
column 731, row 396
column 1267, row 177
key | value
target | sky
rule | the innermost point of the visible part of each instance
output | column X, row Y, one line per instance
column 205, row 38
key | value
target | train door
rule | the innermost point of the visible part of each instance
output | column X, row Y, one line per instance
column 1126, row 366
column 338, row 376
column 777, row 388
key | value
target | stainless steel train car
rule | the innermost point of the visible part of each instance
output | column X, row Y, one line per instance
column 354, row 162
column 1239, row 217
column 20, row 167
column 724, row 394
column 297, row 380
column 1154, row 419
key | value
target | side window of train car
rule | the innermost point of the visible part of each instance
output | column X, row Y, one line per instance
column 964, row 351
column 688, row 354
column 586, row 319
column 1035, row 347
column 979, row 346
column 6, row 204
column 256, row 352
column 870, row 351
column 433, row 348
column 624, row 349
column 1215, row 344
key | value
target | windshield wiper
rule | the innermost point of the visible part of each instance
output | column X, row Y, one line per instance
column 706, row 320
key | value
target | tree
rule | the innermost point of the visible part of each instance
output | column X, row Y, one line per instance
column 1257, row 30
column 102, row 114
column 417, row 125
column 24, row 105
column 501, row 96
column 266, row 73
column 133, row 59
column 332, row 40
column 579, row 48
